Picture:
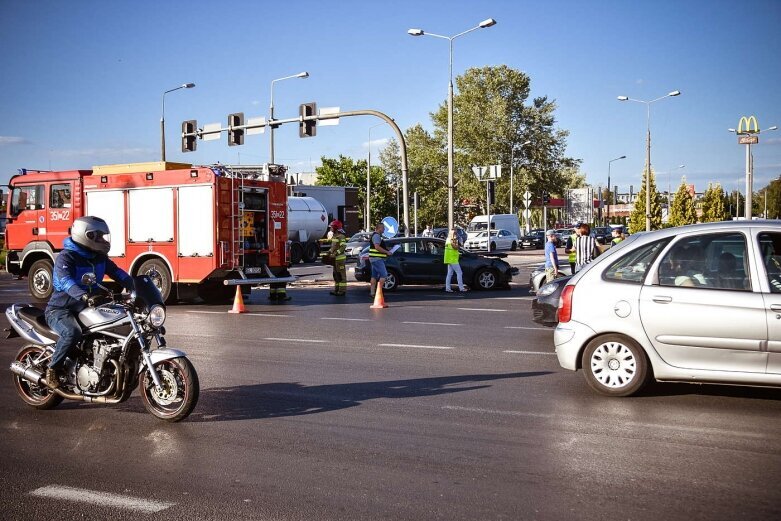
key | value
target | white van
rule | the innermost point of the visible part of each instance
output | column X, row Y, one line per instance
column 500, row 221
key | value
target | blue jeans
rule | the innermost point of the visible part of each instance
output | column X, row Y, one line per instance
column 378, row 268
column 64, row 324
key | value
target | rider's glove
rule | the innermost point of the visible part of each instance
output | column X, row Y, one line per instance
column 88, row 299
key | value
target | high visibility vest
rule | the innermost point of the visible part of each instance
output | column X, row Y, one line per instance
column 338, row 243
column 376, row 253
column 573, row 255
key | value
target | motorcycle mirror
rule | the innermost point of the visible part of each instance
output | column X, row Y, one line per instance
column 88, row 279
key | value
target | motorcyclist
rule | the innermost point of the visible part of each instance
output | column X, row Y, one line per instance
column 85, row 251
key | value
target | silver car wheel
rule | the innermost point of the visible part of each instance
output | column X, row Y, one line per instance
column 613, row 365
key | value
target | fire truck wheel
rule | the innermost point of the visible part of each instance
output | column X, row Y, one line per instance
column 296, row 252
column 311, row 252
column 39, row 280
column 158, row 272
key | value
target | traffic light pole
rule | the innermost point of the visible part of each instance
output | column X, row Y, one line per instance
column 200, row 133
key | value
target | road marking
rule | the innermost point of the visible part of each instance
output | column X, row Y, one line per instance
column 481, row 309
column 534, row 328
column 250, row 314
column 433, row 323
column 103, row 499
column 415, row 346
column 493, row 411
column 308, row 340
column 529, row 352
column 353, row 319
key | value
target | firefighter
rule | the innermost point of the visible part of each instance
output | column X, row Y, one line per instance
column 278, row 291
column 338, row 243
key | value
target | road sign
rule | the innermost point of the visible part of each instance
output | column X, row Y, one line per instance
column 527, row 197
column 479, row 171
column 391, row 227
column 327, row 111
column 260, row 121
column 748, row 140
column 495, row 171
column 208, row 129
column 527, row 213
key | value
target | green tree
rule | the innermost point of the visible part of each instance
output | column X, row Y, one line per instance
column 637, row 217
column 713, row 209
column 345, row 171
column 682, row 211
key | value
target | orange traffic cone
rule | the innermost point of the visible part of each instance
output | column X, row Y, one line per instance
column 238, row 302
column 379, row 300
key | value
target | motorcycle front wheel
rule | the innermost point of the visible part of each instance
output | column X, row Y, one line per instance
column 33, row 394
column 178, row 393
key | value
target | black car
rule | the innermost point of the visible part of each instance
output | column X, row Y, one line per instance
column 603, row 234
column 536, row 239
column 545, row 308
column 421, row 260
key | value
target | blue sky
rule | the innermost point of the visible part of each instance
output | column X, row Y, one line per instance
column 82, row 80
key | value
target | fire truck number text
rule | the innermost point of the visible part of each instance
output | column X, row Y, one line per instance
column 60, row 215
column 277, row 214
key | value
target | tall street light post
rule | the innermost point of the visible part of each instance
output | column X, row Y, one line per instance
column 512, row 165
column 302, row 75
column 648, row 152
column 748, row 137
column 609, row 190
column 162, row 116
column 450, row 188
column 367, row 219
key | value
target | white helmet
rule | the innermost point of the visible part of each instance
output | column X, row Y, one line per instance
column 91, row 233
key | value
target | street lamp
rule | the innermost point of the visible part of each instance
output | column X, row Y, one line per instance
column 367, row 218
column 607, row 217
column 648, row 152
column 450, row 188
column 302, row 75
column 512, row 164
column 669, row 188
column 162, row 116
column 749, row 162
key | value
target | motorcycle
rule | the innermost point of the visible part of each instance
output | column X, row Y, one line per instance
column 114, row 355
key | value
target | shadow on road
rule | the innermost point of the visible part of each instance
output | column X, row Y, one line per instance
column 274, row 400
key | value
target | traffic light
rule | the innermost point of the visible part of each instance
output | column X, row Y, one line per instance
column 235, row 135
column 545, row 198
column 189, row 135
column 307, row 128
column 491, row 192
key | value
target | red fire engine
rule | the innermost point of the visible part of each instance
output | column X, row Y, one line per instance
column 191, row 228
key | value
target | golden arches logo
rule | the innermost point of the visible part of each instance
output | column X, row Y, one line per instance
column 748, row 125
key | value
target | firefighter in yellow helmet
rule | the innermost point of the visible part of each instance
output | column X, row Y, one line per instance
column 338, row 244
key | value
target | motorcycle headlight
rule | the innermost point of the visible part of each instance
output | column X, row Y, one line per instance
column 547, row 289
column 156, row 316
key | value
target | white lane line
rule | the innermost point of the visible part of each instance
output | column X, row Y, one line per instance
column 306, row 340
column 481, row 309
column 527, row 327
column 529, row 352
column 416, row 346
column 493, row 411
column 353, row 319
column 103, row 499
column 433, row 323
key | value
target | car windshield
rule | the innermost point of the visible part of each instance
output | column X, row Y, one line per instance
column 359, row 237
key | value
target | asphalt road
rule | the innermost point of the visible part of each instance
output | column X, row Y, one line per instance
column 439, row 407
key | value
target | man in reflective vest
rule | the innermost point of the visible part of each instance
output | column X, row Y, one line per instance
column 570, row 248
column 338, row 243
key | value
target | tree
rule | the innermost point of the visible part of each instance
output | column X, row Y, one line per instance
column 713, row 209
column 345, row 171
column 637, row 217
column 682, row 211
column 773, row 194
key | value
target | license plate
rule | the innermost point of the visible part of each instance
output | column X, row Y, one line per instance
column 253, row 270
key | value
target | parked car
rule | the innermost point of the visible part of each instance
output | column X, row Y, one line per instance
column 441, row 233
column 695, row 304
column 537, row 277
column 536, row 239
column 603, row 234
column 545, row 306
column 356, row 244
column 500, row 240
column 420, row 260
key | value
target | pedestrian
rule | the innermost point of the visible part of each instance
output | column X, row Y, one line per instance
column 377, row 255
column 85, row 251
column 569, row 247
column 338, row 243
column 585, row 247
column 452, row 255
column 617, row 237
column 551, row 257
column 428, row 232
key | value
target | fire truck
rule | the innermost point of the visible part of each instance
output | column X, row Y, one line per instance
column 190, row 228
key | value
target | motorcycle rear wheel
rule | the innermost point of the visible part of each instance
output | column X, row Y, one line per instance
column 34, row 395
column 179, row 390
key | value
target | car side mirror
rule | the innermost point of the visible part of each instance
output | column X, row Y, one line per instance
column 89, row 279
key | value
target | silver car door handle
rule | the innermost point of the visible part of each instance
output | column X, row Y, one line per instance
column 775, row 307
column 662, row 299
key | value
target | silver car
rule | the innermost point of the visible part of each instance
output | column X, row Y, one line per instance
column 698, row 304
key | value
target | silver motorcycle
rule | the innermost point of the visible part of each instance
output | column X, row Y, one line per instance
column 115, row 355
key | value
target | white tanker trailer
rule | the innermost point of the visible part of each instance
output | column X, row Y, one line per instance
column 307, row 223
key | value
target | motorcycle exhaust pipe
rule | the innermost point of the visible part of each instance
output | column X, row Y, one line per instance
column 28, row 373
column 33, row 376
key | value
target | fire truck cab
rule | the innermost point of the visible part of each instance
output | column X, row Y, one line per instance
column 190, row 228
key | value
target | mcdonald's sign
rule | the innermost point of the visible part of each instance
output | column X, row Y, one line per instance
column 748, row 125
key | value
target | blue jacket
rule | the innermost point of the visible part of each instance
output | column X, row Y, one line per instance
column 71, row 264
